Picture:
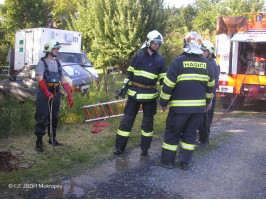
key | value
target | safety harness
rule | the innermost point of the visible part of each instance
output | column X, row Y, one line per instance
column 51, row 80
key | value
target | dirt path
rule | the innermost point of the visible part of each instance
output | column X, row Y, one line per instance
column 234, row 166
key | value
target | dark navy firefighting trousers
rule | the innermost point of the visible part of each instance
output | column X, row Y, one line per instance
column 205, row 128
column 125, row 127
column 180, row 129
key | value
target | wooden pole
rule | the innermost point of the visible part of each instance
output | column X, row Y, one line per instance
column 105, row 81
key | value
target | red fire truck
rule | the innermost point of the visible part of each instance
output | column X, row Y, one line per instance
column 241, row 54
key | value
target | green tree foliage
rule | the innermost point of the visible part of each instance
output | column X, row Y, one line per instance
column 17, row 14
column 62, row 11
column 154, row 17
column 115, row 29
column 237, row 7
column 179, row 23
column 185, row 17
column 24, row 14
column 201, row 16
column 79, row 22
column 206, row 17
column 3, row 44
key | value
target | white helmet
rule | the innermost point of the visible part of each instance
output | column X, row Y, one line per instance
column 50, row 45
column 153, row 36
column 192, row 43
column 207, row 45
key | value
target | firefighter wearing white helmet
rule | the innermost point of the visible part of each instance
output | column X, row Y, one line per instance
column 187, row 90
column 146, row 69
column 205, row 128
column 192, row 43
column 49, row 75
column 153, row 36
column 208, row 47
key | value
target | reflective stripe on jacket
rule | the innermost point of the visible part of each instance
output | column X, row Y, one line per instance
column 146, row 70
column 188, row 85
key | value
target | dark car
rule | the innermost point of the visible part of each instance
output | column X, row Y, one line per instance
column 23, row 84
column 79, row 79
column 79, row 58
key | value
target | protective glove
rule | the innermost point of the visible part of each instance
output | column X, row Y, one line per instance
column 163, row 102
column 45, row 91
column 122, row 92
column 69, row 95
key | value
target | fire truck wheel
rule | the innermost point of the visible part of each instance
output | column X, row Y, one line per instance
column 226, row 101
column 225, row 106
column 239, row 103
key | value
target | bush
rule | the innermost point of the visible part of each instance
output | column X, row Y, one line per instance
column 16, row 117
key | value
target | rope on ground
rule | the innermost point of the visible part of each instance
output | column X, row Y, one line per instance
column 64, row 151
column 10, row 162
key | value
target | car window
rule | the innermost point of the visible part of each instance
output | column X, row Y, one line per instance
column 79, row 58
column 74, row 71
column 62, row 57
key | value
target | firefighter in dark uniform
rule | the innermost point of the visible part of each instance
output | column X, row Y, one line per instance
column 204, row 130
column 49, row 75
column 187, row 90
column 146, row 68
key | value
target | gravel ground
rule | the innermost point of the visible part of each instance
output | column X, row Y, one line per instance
column 232, row 168
column 235, row 170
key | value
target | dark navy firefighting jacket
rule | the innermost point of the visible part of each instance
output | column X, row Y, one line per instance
column 188, row 85
column 146, row 70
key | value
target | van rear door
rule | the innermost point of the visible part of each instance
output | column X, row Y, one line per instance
column 223, row 52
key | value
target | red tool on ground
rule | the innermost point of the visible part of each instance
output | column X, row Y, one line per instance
column 96, row 130
column 101, row 124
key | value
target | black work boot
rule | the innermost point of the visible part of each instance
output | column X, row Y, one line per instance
column 163, row 164
column 39, row 144
column 118, row 151
column 120, row 144
column 184, row 166
column 144, row 152
column 202, row 145
column 55, row 142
